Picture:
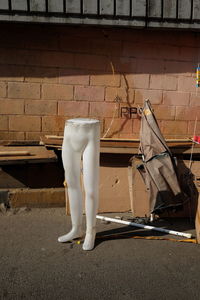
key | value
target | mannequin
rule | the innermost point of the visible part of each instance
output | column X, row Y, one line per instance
column 82, row 140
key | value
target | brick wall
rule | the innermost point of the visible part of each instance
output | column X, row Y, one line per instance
column 51, row 73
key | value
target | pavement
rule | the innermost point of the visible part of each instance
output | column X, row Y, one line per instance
column 33, row 265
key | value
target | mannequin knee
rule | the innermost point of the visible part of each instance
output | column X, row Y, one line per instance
column 72, row 182
column 91, row 195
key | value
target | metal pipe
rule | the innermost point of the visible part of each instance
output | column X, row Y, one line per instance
column 187, row 235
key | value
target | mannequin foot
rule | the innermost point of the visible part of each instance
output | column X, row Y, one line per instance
column 73, row 234
column 89, row 240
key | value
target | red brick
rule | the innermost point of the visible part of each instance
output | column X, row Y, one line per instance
column 122, row 65
column 118, row 126
column 34, row 136
column 168, row 52
column 24, row 123
column 122, row 94
column 2, row 89
column 186, row 84
column 189, row 54
column 53, row 123
column 106, row 47
column 23, row 90
column 43, row 75
column 40, row 107
column 154, row 96
column 187, row 113
column 57, row 92
column 132, row 49
column 195, row 99
column 75, row 44
column 179, row 68
column 9, row 135
column 136, row 81
column 73, row 76
column 39, row 39
column 136, row 126
column 105, row 79
column 73, row 108
column 193, row 126
column 37, row 58
column 90, row 93
column 175, row 127
column 3, row 123
column 145, row 50
column 163, row 82
column 103, row 109
column 91, row 62
column 163, row 112
column 11, row 73
column 150, row 66
column 176, row 98
column 11, row 107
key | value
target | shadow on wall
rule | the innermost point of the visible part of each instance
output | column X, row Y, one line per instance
column 74, row 71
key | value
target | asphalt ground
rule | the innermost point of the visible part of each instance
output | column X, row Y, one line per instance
column 33, row 265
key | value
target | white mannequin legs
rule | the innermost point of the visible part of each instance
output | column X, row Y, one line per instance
column 81, row 139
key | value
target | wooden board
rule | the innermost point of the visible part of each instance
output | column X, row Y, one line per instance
column 38, row 154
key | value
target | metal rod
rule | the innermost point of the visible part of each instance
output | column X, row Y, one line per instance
column 187, row 235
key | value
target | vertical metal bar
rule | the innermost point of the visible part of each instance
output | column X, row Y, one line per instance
column 64, row 6
column 28, row 5
column 81, row 6
column 130, row 14
column 114, row 12
column 10, row 5
column 162, row 8
column 147, row 13
column 191, row 15
column 47, row 6
column 98, row 8
column 177, row 10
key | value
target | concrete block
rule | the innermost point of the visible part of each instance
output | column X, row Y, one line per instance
column 55, row 6
column 53, row 197
column 19, row 5
column 73, row 6
column 139, row 8
column 4, row 4
column 155, row 8
column 169, row 9
column 196, row 9
column 106, row 7
column 184, row 9
column 122, row 7
column 90, row 7
column 38, row 5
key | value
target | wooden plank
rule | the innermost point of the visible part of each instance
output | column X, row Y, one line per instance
column 14, row 153
column 90, row 7
column 107, row 7
column 155, row 8
column 169, row 9
column 55, row 6
column 4, row 4
column 19, row 143
column 184, row 9
column 19, row 5
column 196, row 9
column 73, row 6
column 123, row 8
column 38, row 155
column 38, row 5
column 138, row 8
